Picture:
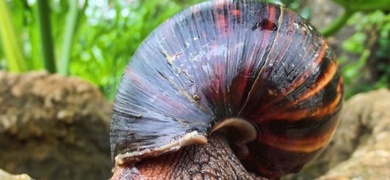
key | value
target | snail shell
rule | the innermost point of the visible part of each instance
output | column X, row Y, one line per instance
column 254, row 68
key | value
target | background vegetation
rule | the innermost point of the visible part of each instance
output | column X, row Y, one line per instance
column 95, row 40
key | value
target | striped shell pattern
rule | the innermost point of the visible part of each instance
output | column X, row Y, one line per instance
column 230, row 59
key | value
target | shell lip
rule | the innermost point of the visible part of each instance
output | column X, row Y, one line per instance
column 247, row 131
column 129, row 158
column 244, row 132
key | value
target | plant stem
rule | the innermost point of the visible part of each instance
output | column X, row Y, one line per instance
column 12, row 48
column 68, row 36
column 337, row 24
column 46, row 36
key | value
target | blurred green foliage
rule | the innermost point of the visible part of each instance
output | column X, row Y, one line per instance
column 11, row 45
column 364, row 5
column 95, row 40
column 370, row 44
column 105, row 35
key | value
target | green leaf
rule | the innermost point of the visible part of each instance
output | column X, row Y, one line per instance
column 355, row 43
column 364, row 5
column 43, row 14
column 10, row 41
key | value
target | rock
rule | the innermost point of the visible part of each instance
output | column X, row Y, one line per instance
column 6, row 176
column 360, row 148
column 372, row 165
column 53, row 127
column 363, row 139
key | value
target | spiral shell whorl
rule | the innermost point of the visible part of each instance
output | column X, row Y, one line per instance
column 223, row 59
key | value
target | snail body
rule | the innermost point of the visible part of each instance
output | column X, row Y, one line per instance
column 254, row 71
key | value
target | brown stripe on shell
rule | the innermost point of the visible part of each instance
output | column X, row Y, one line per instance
column 328, row 74
column 275, row 162
column 301, row 79
column 264, row 94
column 304, row 136
column 295, row 114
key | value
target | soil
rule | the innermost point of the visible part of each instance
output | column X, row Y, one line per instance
column 53, row 127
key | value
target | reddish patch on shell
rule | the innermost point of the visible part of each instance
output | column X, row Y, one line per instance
column 226, row 59
column 235, row 12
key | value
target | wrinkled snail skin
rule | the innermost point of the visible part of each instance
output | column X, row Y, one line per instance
column 237, row 67
column 214, row 160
